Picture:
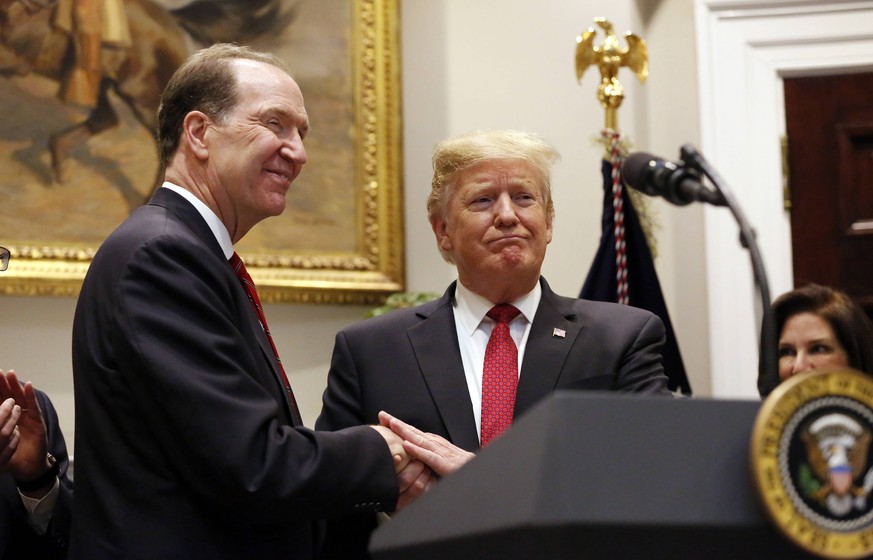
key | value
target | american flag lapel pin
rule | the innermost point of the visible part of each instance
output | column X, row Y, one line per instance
column 560, row 333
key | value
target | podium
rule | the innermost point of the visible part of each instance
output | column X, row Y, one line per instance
column 591, row 475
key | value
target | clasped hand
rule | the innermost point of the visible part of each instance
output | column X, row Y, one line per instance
column 420, row 458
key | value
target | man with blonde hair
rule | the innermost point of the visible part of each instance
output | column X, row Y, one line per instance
column 461, row 368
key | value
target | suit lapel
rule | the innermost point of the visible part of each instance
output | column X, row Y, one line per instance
column 188, row 215
column 435, row 343
column 546, row 351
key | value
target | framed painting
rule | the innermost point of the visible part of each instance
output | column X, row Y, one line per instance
column 72, row 173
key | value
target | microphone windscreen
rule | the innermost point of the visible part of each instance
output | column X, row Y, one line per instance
column 634, row 171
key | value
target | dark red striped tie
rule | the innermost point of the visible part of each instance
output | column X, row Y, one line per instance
column 246, row 280
column 499, row 375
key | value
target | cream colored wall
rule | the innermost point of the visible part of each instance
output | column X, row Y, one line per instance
column 668, row 114
column 35, row 342
column 482, row 64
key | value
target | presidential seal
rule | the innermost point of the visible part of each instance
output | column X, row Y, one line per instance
column 812, row 465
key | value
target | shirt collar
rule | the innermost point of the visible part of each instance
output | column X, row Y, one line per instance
column 471, row 307
column 219, row 230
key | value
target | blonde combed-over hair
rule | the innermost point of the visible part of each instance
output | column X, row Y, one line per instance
column 454, row 155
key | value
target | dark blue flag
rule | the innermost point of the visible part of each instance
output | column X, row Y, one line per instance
column 643, row 287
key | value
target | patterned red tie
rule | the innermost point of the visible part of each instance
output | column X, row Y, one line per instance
column 246, row 280
column 499, row 375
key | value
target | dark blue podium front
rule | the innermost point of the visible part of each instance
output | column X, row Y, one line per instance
column 593, row 475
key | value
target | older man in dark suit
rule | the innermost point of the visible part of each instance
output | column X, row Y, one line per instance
column 189, row 443
column 459, row 369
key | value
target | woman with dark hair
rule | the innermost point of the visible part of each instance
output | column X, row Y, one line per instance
column 821, row 327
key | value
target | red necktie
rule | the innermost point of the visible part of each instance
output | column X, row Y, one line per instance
column 246, row 280
column 499, row 375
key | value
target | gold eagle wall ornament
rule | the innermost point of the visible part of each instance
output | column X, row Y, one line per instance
column 609, row 57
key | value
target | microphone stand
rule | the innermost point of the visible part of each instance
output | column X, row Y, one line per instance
column 768, row 362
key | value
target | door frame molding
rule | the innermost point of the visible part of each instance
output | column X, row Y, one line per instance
column 745, row 48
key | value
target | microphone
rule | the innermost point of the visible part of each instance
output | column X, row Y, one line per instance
column 676, row 182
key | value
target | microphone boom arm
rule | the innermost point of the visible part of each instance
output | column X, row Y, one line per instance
column 768, row 363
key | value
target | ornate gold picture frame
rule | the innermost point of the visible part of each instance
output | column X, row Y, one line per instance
column 340, row 239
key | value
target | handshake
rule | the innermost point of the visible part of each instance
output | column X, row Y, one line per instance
column 420, row 458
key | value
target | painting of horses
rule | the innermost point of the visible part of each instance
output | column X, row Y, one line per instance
column 72, row 173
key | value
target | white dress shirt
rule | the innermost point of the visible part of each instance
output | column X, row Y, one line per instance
column 41, row 510
column 474, row 330
column 219, row 230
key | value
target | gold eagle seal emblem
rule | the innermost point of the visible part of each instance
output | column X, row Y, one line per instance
column 811, row 461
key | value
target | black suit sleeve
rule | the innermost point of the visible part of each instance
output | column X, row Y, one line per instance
column 58, row 532
column 641, row 369
column 341, row 401
column 347, row 537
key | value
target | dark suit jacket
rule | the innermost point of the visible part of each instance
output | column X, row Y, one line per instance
column 17, row 540
column 408, row 363
column 185, row 442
